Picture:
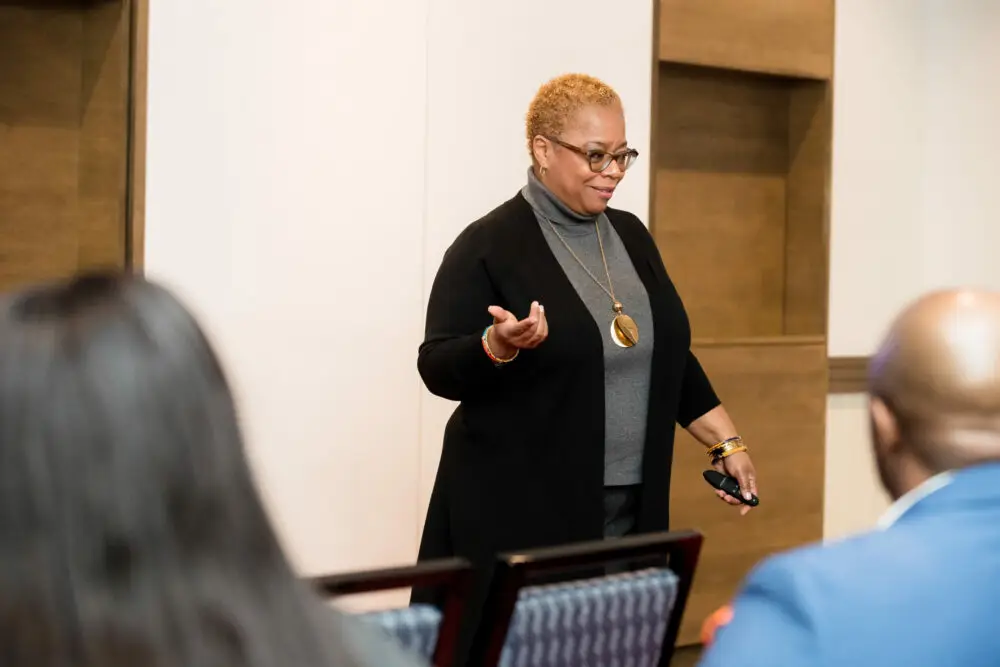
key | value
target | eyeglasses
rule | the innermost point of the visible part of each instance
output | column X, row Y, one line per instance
column 601, row 160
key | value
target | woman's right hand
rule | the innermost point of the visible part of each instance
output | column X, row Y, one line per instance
column 509, row 334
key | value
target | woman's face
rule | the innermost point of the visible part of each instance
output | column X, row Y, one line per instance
column 567, row 172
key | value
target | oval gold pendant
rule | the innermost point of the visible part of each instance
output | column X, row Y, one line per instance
column 624, row 331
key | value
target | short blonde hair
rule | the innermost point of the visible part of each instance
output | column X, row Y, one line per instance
column 558, row 99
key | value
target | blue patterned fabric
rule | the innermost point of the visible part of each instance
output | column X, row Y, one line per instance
column 615, row 621
column 415, row 627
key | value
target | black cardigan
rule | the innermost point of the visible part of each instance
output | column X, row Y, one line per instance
column 523, row 458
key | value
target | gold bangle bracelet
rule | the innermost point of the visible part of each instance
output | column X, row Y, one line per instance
column 721, row 451
column 730, row 452
column 735, row 441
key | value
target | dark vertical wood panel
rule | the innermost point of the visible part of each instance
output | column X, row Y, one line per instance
column 135, row 229
column 103, row 136
column 65, row 123
column 40, row 103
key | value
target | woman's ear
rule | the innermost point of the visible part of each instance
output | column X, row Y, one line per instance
column 541, row 149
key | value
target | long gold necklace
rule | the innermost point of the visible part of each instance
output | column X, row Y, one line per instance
column 624, row 331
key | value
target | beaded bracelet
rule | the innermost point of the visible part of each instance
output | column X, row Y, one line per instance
column 497, row 361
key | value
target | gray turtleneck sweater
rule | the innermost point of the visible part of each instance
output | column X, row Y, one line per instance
column 626, row 370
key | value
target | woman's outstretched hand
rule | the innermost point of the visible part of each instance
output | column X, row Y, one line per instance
column 509, row 334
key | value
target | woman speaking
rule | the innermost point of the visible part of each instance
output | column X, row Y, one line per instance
column 553, row 322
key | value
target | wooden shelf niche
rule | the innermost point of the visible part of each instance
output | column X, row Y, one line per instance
column 742, row 133
column 741, row 199
column 67, row 136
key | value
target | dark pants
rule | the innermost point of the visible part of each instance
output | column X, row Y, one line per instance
column 620, row 511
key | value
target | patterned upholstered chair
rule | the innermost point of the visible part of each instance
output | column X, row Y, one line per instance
column 423, row 629
column 628, row 619
column 415, row 628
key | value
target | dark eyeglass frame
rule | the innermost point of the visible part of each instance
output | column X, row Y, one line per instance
column 625, row 158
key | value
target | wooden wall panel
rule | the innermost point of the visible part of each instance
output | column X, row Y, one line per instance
column 40, row 84
column 136, row 193
column 719, row 221
column 64, row 135
column 775, row 391
column 740, row 199
column 103, row 136
column 807, row 224
column 791, row 37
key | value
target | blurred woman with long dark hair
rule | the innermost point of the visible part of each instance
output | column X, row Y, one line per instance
column 131, row 532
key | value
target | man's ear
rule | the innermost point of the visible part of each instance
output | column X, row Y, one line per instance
column 885, row 426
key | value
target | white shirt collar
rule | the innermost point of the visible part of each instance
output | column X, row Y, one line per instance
column 905, row 502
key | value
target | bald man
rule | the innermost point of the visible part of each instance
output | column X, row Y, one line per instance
column 924, row 588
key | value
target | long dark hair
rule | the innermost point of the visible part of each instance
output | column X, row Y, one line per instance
column 131, row 532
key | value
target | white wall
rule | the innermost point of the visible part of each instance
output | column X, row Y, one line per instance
column 961, row 226
column 854, row 495
column 914, row 196
column 308, row 163
column 284, row 200
column 875, row 207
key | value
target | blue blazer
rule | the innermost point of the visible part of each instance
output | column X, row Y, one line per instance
column 923, row 592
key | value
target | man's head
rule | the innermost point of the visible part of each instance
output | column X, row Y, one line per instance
column 935, row 388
